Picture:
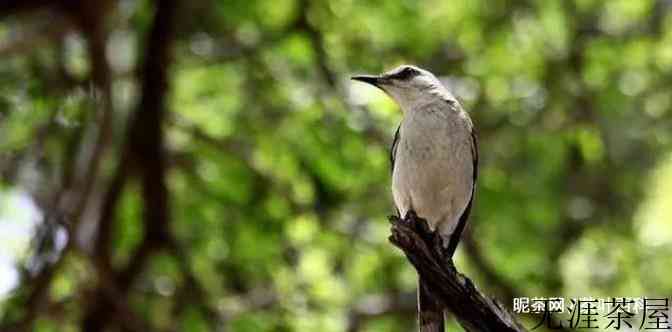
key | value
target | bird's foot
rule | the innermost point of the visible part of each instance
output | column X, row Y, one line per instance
column 415, row 224
column 394, row 219
column 420, row 226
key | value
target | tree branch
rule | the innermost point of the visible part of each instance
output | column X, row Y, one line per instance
column 144, row 148
column 473, row 310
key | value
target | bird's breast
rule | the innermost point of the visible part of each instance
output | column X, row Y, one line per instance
column 433, row 168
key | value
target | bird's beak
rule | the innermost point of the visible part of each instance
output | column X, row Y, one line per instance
column 371, row 79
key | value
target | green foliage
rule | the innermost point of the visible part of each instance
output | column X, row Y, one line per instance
column 278, row 168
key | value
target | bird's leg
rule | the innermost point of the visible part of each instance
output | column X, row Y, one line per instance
column 417, row 225
column 420, row 226
column 444, row 251
column 394, row 219
column 431, row 238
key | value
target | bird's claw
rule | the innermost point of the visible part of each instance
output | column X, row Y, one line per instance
column 420, row 226
column 431, row 238
column 393, row 219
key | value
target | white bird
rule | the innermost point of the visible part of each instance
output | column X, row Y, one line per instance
column 434, row 163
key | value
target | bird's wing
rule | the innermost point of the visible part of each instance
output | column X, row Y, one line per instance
column 455, row 237
column 393, row 148
column 474, row 154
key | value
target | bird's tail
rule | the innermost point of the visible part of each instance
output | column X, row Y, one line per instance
column 430, row 311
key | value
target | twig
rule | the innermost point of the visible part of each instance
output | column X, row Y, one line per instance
column 473, row 310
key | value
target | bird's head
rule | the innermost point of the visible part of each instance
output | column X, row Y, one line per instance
column 409, row 86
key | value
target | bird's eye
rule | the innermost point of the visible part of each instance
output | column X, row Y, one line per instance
column 406, row 73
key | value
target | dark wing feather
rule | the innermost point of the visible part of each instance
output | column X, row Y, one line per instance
column 393, row 149
column 455, row 237
column 393, row 154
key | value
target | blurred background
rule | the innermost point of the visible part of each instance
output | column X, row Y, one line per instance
column 208, row 166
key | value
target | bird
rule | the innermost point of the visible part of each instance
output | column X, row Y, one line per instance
column 434, row 162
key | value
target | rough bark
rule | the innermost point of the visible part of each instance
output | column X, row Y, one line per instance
column 473, row 310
